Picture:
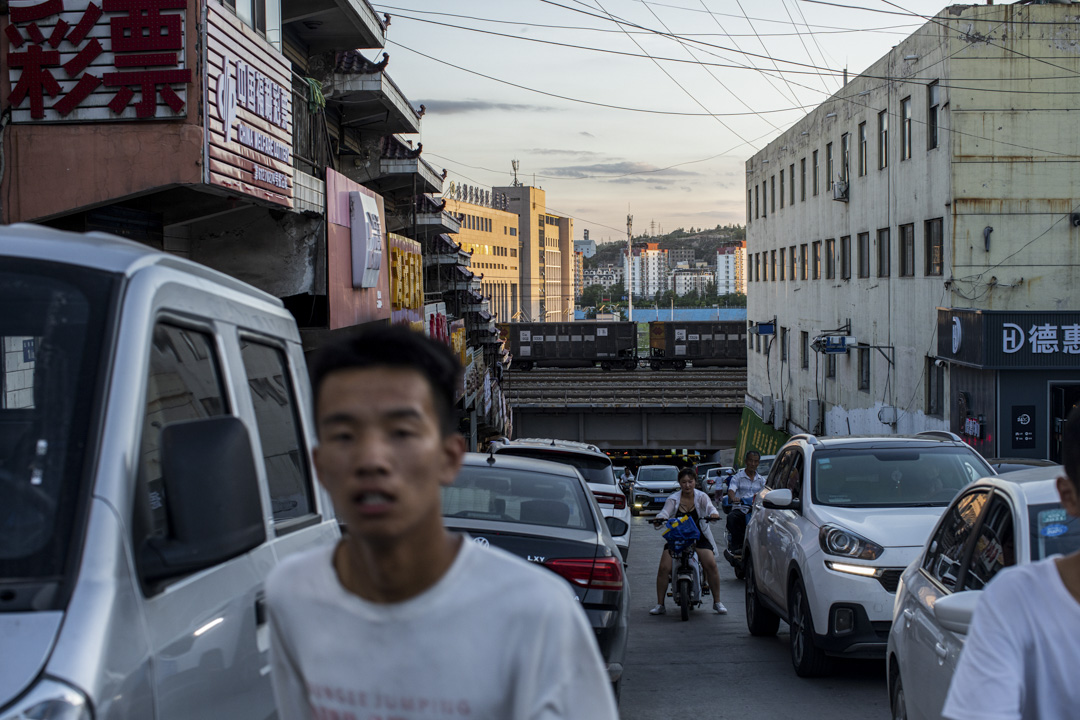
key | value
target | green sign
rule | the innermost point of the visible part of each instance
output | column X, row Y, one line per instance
column 756, row 435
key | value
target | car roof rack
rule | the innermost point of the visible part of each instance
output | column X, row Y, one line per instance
column 808, row 437
column 551, row 442
column 943, row 434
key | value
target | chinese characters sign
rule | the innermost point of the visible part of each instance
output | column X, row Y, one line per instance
column 78, row 61
column 1001, row 339
column 249, row 111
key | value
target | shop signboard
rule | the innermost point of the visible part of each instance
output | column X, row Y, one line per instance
column 248, row 111
column 76, row 61
column 754, row 434
column 1009, row 340
column 1023, row 427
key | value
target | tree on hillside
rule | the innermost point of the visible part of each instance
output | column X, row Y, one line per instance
column 591, row 296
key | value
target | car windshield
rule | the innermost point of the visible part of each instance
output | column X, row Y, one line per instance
column 593, row 468
column 658, row 473
column 517, row 496
column 1053, row 532
column 51, row 332
column 893, row 477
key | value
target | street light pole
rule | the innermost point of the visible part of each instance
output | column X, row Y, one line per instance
column 630, row 264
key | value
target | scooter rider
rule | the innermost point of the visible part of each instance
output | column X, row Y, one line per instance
column 742, row 487
column 693, row 502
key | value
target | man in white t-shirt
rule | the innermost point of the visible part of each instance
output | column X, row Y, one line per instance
column 1022, row 651
column 403, row 619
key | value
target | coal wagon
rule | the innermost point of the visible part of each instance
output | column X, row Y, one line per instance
column 611, row 345
column 701, row 343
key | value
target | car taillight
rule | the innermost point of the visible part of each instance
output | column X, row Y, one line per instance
column 601, row 574
column 616, row 500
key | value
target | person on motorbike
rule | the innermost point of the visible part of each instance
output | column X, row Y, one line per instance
column 742, row 487
column 695, row 503
column 626, row 480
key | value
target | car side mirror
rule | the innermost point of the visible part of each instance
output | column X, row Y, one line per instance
column 212, row 498
column 781, row 499
column 954, row 611
column 616, row 526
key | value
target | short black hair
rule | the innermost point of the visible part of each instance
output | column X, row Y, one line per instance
column 396, row 347
column 687, row 472
column 749, row 453
column 1070, row 446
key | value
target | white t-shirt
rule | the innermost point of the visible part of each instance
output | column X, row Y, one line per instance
column 494, row 639
column 1022, row 652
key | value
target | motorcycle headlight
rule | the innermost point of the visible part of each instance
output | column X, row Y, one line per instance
column 50, row 700
column 836, row 540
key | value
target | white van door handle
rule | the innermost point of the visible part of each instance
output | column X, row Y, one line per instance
column 260, row 611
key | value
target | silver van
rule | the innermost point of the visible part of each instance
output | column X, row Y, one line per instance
column 154, row 467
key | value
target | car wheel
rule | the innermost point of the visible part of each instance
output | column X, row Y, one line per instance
column 807, row 658
column 760, row 620
column 684, row 599
column 898, row 701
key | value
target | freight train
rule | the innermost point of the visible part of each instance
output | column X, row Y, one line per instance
column 614, row 345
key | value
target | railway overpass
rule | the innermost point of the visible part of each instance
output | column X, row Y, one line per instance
column 696, row 409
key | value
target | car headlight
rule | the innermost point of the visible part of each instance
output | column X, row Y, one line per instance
column 836, row 540
column 50, row 700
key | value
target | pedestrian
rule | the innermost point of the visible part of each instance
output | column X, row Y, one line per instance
column 402, row 618
column 1022, row 651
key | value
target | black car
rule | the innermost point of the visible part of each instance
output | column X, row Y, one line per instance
column 544, row 512
column 1006, row 465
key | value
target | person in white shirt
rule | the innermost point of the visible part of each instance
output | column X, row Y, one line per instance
column 1021, row 653
column 742, row 487
column 403, row 619
column 688, row 500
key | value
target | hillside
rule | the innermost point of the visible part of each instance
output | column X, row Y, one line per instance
column 705, row 244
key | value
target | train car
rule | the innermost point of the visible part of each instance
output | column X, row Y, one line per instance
column 585, row 343
column 701, row 343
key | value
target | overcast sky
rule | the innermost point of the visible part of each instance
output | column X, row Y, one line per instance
column 672, row 145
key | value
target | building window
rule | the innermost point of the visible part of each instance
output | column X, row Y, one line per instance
column 845, row 257
column 764, row 198
column 883, row 253
column 905, row 129
column 757, row 205
column 783, row 253
column 828, row 168
column 802, row 261
column 830, row 259
column 935, row 388
column 772, row 194
column 933, row 100
column 864, row 369
column 783, row 345
column 862, row 149
column 883, row 139
column 845, row 156
column 757, row 268
column 772, row 266
column 802, row 178
column 804, row 350
column 830, row 365
column 781, row 189
column 864, row 255
column 815, row 271
column 749, row 204
column 815, row 173
column 791, row 177
column 932, row 237
column 907, row 250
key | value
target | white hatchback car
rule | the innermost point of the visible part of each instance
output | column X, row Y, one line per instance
column 999, row 521
column 839, row 520
column 593, row 465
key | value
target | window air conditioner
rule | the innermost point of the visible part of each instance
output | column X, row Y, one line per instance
column 840, row 191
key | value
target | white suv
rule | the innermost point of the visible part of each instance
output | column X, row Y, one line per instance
column 839, row 520
column 593, row 465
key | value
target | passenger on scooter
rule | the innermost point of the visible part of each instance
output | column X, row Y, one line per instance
column 695, row 503
column 742, row 487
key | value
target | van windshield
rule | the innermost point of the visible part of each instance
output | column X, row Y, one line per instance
column 52, row 330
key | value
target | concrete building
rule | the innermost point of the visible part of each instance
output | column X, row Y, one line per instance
column 688, row 280
column 727, row 270
column 579, row 260
column 605, row 275
column 489, row 234
column 740, row 267
column 929, row 218
column 587, row 247
column 679, row 256
column 546, row 264
column 651, row 272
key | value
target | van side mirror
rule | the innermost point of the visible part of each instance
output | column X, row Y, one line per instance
column 954, row 611
column 211, row 495
column 780, row 500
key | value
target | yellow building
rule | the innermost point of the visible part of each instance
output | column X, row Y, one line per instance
column 579, row 274
column 491, row 235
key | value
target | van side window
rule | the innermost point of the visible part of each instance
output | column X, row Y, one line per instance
column 184, row 384
column 286, row 458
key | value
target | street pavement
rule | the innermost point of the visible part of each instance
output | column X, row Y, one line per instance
column 710, row 666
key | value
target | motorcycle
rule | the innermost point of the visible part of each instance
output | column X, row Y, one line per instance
column 735, row 556
column 687, row 583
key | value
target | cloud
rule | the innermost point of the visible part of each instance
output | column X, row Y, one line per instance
column 586, row 134
column 614, row 170
column 472, row 105
column 583, row 154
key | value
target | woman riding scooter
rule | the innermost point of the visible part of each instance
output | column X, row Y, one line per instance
column 693, row 502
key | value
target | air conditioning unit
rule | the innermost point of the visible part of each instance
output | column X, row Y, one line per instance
column 779, row 413
column 815, row 410
column 766, row 408
column 840, row 191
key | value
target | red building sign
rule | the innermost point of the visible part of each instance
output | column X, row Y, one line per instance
column 77, row 61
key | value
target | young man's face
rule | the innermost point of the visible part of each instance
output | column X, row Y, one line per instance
column 381, row 454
